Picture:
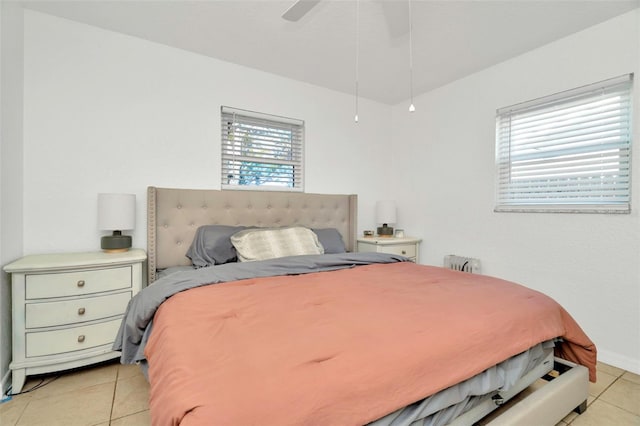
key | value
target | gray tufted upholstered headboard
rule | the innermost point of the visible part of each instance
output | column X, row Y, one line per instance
column 174, row 214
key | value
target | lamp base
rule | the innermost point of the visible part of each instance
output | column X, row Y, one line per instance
column 115, row 243
column 123, row 250
column 385, row 231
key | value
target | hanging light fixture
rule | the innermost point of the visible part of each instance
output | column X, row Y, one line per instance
column 357, row 53
column 412, row 108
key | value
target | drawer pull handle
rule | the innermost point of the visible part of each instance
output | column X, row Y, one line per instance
column 81, row 283
column 81, row 338
column 80, row 311
column 404, row 252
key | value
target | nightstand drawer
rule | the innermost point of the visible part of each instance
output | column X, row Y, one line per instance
column 403, row 246
column 48, row 314
column 408, row 250
column 71, row 339
column 77, row 283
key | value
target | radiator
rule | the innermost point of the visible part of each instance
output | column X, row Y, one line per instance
column 462, row 263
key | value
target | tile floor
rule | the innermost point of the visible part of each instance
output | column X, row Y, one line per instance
column 116, row 395
column 107, row 394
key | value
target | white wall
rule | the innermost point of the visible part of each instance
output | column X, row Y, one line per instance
column 105, row 112
column 108, row 112
column 444, row 162
column 11, row 243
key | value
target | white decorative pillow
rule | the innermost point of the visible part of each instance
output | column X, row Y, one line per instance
column 269, row 243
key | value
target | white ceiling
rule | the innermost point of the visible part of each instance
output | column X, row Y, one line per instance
column 451, row 39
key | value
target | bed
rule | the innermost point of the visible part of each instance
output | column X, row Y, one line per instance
column 336, row 337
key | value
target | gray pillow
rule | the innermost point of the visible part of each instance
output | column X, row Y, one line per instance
column 331, row 240
column 212, row 245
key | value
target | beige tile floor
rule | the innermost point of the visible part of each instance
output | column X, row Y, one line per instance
column 117, row 395
column 107, row 394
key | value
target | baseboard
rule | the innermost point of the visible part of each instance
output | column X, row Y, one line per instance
column 620, row 361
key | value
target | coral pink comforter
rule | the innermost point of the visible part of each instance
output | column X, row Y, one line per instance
column 340, row 348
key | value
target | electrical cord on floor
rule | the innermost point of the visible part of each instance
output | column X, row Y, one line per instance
column 43, row 382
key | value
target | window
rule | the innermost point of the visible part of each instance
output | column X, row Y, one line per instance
column 567, row 152
column 261, row 151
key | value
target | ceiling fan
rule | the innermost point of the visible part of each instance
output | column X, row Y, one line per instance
column 395, row 12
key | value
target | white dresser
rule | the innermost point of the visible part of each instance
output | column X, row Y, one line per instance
column 406, row 246
column 67, row 308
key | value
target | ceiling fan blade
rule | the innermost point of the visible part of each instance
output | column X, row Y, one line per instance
column 299, row 9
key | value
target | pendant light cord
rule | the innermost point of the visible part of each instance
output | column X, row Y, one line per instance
column 411, row 107
column 357, row 54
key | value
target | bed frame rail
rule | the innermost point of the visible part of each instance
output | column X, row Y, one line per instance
column 547, row 405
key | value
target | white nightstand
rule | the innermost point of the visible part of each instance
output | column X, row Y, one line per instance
column 67, row 308
column 406, row 246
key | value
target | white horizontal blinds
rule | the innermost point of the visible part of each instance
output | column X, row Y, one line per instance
column 567, row 152
column 261, row 150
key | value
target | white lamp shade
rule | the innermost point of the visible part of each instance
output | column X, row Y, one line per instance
column 386, row 211
column 116, row 212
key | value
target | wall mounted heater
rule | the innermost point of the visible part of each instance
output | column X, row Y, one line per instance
column 462, row 263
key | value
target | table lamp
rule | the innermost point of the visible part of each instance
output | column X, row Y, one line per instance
column 117, row 213
column 385, row 214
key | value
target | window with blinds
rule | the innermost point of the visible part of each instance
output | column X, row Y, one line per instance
column 567, row 152
column 261, row 151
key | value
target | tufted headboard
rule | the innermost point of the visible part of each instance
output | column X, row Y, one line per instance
column 174, row 214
